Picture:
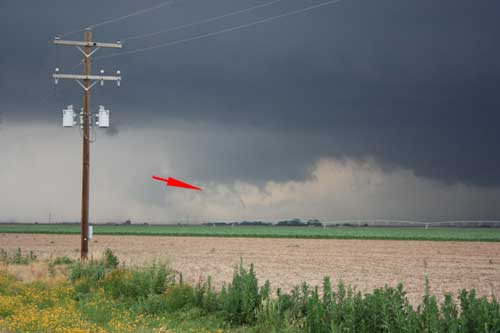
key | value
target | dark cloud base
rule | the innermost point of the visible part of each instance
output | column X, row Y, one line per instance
column 412, row 84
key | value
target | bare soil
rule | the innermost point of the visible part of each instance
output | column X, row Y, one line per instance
column 365, row 264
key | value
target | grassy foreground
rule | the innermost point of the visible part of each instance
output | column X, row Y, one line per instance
column 102, row 296
column 438, row 234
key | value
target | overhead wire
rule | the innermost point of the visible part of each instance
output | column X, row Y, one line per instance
column 219, row 32
column 120, row 18
column 207, row 20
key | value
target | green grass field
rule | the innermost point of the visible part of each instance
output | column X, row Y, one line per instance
column 438, row 234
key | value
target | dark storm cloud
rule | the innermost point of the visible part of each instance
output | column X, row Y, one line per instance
column 411, row 83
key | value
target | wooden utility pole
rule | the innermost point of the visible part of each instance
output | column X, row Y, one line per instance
column 86, row 151
column 89, row 48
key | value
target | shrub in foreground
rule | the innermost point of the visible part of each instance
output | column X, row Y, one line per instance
column 384, row 310
column 150, row 280
column 240, row 300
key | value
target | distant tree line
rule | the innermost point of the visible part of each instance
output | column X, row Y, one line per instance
column 285, row 223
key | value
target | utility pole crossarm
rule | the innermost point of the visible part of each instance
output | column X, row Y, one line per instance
column 86, row 77
column 87, row 44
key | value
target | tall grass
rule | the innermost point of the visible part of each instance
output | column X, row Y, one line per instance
column 111, row 296
column 17, row 257
column 153, row 290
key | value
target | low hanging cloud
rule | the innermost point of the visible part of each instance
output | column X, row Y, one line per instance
column 340, row 190
column 40, row 174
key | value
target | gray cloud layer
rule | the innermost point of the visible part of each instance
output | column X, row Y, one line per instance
column 41, row 172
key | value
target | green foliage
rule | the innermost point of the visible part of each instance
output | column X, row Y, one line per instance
column 57, row 262
column 410, row 233
column 176, row 297
column 88, row 276
column 242, row 297
column 206, row 297
column 17, row 257
column 93, row 271
column 151, row 304
column 97, row 309
column 7, row 283
column 51, row 269
column 179, row 297
column 150, row 280
column 429, row 312
column 315, row 319
column 272, row 317
column 384, row 310
column 102, row 289
column 449, row 311
column 478, row 314
column 110, row 260
column 62, row 261
column 118, row 284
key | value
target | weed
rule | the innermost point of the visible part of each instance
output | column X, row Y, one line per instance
column 240, row 300
column 179, row 297
column 100, row 296
column 17, row 257
column 206, row 297
column 110, row 260
column 51, row 269
column 62, row 261
column 150, row 280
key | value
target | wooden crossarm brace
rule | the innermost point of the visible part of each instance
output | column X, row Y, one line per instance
column 87, row 77
column 90, row 44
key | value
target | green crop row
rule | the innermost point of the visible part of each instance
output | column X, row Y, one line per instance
column 439, row 234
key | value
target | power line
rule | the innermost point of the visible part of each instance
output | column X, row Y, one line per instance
column 211, row 19
column 219, row 32
column 120, row 18
column 136, row 13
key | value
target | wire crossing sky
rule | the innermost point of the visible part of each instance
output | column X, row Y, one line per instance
column 124, row 17
column 211, row 19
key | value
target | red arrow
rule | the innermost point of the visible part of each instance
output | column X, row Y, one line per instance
column 176, row 183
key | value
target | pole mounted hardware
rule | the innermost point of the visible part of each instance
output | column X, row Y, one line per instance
column 86, row 80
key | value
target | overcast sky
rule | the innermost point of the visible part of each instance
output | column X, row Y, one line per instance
column 357, row 110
